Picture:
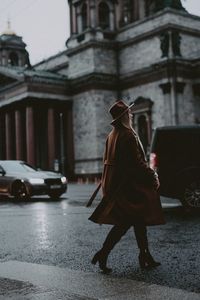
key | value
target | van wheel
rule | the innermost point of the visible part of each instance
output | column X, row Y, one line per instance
column 191, row 195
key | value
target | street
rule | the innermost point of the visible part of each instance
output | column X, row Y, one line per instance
column 58, row 233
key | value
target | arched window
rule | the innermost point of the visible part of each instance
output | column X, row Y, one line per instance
column 13, row 59
column 104, row 16
column 143, row 121
column 84, row 16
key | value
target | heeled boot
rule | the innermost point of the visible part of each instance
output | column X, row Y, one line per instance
column 146, row 260
column 101, row 257
column 111, row 240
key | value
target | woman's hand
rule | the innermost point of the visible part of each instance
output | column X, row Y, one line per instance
column 157, row 182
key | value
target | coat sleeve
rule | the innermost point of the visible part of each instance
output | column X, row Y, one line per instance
column 135, row 163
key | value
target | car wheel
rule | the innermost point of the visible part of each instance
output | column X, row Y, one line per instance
column 191, row 195
column 20, row 191
column 55, row 194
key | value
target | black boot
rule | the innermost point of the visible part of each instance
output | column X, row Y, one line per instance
column 101, row 257
column 146, row 260
column 111, row 240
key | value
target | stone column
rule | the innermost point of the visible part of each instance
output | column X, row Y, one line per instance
column 79, row 19
column 138, row 10
column 196, row 93
column 19, row 138
column 112, row 19
column 92, row 15
column 182, row 104
column 70, row 143
column 166, row 89
column 8, row 131
column 51, row 138
column 88, row 14
column 30, row 136
column 71, row 16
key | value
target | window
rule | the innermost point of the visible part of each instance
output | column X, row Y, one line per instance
column 142, row 120
column 13, row 59
column 104, row 16
column 84, row 16
column 128, row 12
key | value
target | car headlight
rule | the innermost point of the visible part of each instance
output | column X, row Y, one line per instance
column 64, row 179
column 36, row 181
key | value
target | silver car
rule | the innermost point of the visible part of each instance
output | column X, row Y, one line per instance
column 19, row 180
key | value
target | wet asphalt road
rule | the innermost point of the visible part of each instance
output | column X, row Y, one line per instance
column 59, row 233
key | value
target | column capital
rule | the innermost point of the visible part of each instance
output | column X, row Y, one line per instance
column 165, row 87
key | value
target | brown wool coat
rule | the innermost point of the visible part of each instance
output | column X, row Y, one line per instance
column 128, row 183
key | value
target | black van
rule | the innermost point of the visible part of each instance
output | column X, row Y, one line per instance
column 175, row 155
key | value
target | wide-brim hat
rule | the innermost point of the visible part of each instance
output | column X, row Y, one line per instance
column 118, row 109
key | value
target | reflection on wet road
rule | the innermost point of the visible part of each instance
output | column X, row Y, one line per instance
column 59, row 233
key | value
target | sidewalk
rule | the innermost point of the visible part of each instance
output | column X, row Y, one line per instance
column 27, row 281
column 87, row 190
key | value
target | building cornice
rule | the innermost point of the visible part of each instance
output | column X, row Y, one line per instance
column 23, row 90
column 168, row 68
column 158, row 31
column 94, row 81
column 93, row 44
column 157, row 15
column 163, row 70
column 50, row 58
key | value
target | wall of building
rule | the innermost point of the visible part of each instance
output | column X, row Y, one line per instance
column 157, row 22
column 153, row 92
column 81, row 63
column 139, row 55
column 186, row 105
column 105, row 60
column 95, row 54
column 91, row 121
column 57, row 63
column 92, row 59
column 190, row 45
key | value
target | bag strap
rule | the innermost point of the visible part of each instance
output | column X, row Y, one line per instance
column 93, row 195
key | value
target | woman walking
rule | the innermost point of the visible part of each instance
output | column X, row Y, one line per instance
column 129, row 187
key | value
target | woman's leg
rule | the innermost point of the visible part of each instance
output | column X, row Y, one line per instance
column 145, row 258
column 114, row 236
column 111, row 240
column 141, row 236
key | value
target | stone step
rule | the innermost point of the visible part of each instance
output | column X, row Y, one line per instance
column 63, row 283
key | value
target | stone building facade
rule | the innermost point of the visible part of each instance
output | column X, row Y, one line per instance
column 35, row 110
column 147, row 51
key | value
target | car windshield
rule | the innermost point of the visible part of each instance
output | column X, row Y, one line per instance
column 13, row 166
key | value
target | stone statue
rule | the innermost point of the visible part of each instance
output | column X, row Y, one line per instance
column 176, row 42
column 161, row 4
column 164, row 44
